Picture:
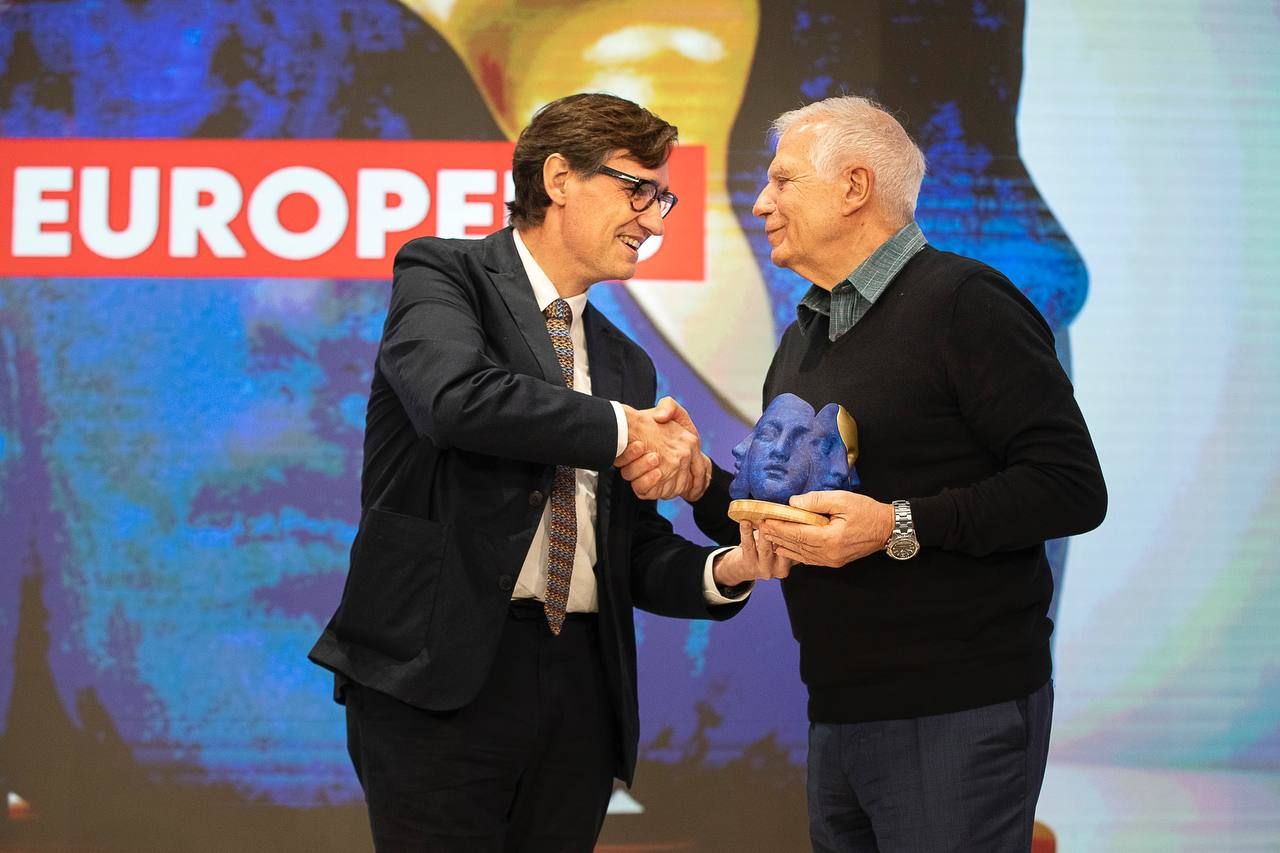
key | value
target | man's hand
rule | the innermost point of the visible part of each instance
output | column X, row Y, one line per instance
column 859, row 526
column 671, row 411
column 754, row 559
column 672, row 463
column 643, row 465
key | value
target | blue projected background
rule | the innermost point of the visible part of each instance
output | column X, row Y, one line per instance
column 179, row 458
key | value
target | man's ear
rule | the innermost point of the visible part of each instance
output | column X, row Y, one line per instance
column 857, row 182
column 555, row 177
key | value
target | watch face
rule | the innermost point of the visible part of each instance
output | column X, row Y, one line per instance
column 903, row 549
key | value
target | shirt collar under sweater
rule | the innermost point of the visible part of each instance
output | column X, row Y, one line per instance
column 850, row 300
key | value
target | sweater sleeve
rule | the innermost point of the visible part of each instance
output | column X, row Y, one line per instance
column 711, row 512
column 1016, row 398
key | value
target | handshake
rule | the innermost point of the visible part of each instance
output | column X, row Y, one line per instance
column 664, row 457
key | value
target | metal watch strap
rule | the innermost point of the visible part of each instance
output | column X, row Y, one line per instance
column 902, row 523
column 902, row 544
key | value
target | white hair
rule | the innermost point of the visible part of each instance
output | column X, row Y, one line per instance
column 851, row 126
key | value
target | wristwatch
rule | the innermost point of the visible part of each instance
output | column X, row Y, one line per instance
column 902, row 544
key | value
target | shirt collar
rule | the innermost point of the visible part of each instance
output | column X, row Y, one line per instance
column 849, row 301
column 544, row 292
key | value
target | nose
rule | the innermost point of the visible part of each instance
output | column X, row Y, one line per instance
column 791, row 438
column 783, row 447
column 764, row 203
column 651, row 219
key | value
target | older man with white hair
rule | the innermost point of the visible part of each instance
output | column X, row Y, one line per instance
column 921, row 607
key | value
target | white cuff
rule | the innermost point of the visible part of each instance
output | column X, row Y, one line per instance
column 710, row 591
column 621, row 417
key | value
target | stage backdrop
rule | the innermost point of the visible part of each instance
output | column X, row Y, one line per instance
column 198, row 207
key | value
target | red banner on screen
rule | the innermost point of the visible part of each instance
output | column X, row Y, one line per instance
column 279, row 208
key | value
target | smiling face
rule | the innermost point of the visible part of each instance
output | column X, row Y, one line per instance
column 801, row 209
column 600, row 234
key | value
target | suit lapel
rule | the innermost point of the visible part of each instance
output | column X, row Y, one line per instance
column 604, row 357
column 509, row 279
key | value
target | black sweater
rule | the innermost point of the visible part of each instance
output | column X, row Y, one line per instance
column 963, row 409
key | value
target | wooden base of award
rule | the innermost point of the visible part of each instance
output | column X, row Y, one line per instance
column 758, row 511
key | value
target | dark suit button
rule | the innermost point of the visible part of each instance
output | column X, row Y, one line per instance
column 505, row 582
column 536, row 498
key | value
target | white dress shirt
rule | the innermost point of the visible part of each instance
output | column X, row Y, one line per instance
column 532, row 581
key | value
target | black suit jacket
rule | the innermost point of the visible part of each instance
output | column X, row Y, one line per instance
column 468, row 416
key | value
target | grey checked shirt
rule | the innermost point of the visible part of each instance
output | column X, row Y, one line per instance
column 850, row 300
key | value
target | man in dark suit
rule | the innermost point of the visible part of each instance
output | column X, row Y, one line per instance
column 484, row 645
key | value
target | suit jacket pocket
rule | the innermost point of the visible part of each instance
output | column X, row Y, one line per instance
column 391, row 589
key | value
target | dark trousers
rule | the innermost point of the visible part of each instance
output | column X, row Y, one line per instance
column 527, row 766
column 966, row 781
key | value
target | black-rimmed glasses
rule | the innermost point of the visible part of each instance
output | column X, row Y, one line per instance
column 643, row 192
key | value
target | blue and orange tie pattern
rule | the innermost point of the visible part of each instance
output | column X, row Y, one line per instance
column 563, row 527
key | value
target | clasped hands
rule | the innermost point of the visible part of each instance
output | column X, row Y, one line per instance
column 664, row 459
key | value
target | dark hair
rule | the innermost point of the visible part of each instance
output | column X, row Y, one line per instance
column 585, row 129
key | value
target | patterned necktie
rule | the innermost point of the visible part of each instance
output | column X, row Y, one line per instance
column 563, row 528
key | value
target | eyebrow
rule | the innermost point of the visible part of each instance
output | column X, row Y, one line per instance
column 787, row 172
column 661, row 189
column 631, row 173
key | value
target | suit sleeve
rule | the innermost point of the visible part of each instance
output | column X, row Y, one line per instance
column 1017, row 399
column 667, row 570
column 434, row 356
